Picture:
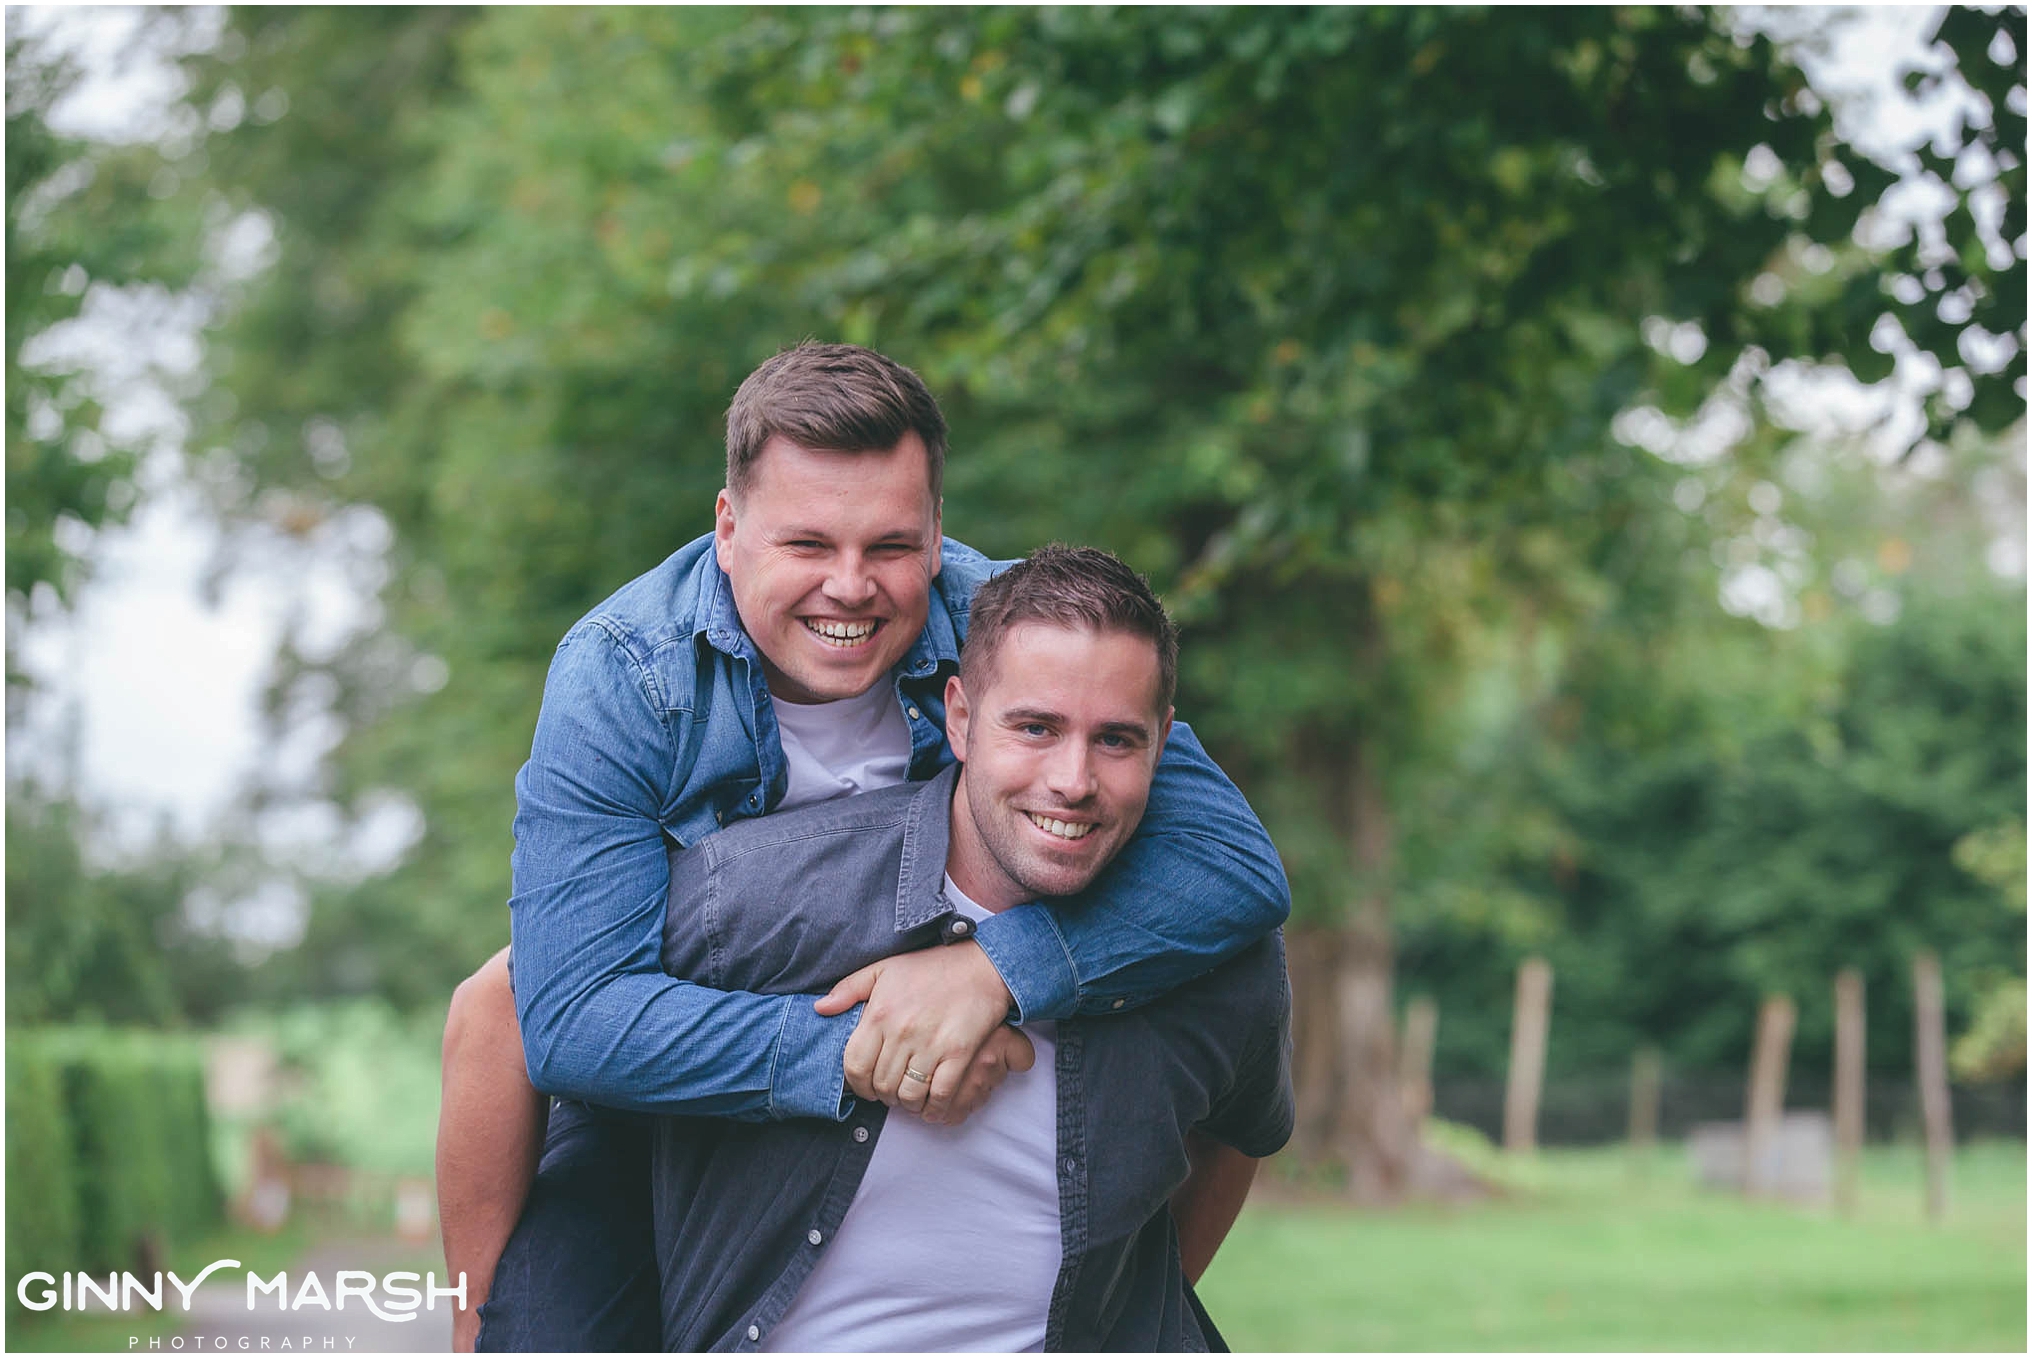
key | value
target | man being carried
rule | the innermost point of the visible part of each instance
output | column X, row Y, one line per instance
column 798, row 652
column 1073, row 1209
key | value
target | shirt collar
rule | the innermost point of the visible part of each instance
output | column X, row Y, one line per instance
column 717, row 620
column 927, row 833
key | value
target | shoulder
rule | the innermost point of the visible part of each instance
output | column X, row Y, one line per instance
column 660, row 608
column 962, row 571
column 1243, row 997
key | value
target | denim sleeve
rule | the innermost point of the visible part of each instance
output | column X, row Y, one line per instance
column 600, row 1020
column 1199, row 882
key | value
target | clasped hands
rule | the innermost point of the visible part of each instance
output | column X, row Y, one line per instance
column 933, row 1038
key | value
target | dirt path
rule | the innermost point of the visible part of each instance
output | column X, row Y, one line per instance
column 221, row 1322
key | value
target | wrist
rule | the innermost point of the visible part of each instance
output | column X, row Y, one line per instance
column 988, row 980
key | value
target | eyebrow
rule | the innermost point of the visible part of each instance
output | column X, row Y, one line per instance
column 907, row 536
column 1017, row 715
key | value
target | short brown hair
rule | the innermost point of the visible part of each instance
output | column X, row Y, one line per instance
column 1082, row 588
column 838, row 398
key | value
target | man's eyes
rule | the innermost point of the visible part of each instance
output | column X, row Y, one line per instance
column 889, row 549
column 1113, row 741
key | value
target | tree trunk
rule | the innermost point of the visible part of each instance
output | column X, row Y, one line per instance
column 1376, row 1139
column 1414, row 1057
column 1931, row 1069
column 1313, row 955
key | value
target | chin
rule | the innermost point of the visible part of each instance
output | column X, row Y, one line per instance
column 839, row 679
column 1056, row 882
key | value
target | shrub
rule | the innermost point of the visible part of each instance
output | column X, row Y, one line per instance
column 42, row 1208
column 137, row 1133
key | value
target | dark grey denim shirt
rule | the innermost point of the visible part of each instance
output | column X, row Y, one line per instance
column 794, row 901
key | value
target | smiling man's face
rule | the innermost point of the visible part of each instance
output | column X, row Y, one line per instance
column 1059, row 744
column 831, row 556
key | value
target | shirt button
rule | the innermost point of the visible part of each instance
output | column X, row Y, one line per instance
column 754, row 1333
column 1070, row 1165
column 860, row 1134
column 1118, row 1004
column 915, row 714
column 814, row 1237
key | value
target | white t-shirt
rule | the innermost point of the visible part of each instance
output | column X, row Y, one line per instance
column 839, row 748
column 952, row 1241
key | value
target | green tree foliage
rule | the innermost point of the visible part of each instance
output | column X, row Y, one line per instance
column 1712, row 880
column 104, row 944
column 77, row 216
column 362, row 1083
column 1321, row 317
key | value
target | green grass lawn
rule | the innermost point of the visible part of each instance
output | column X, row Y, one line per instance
column 1595, row 1258
column 1600, row 1257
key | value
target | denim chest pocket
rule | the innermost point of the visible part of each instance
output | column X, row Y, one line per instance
column 715, row 809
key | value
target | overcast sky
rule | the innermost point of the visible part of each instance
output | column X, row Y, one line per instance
column 151, row 684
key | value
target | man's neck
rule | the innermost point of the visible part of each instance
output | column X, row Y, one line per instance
column 972, row 868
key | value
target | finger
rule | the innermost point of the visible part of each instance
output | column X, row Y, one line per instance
column 974, row 1092
column 945, row 1085
column 887, row 1080
column 850, row 991
column 985, row 1074
column 859, row 1060
column 1016, row 1050
column 911, row 1091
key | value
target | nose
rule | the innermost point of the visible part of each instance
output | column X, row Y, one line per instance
column 1069, row 772
column 849, row 582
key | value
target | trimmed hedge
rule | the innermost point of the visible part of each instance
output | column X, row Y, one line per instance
column 42, row 1174
column 133, row 1165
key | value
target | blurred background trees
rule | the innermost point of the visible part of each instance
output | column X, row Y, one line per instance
column 1469, row 381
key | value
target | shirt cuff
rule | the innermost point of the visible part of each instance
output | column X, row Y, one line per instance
column 809, row 1077
column 1024, row 944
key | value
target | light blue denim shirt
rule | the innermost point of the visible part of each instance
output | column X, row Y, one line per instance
column 656, row 729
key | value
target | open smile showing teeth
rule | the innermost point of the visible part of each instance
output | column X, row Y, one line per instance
column 1062, row 828
column 844, row 635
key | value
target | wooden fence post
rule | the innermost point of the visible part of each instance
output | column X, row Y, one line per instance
column 1934, row 1108
column 1848, row 1086
column 1765, row 1101
column 1647, row 1082
column 1414, row 1062
column 1528, row 1025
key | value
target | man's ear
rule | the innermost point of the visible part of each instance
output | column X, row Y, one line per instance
column 957, row 717
column 1164, row 730
column 723, row 530
column 937, row 536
